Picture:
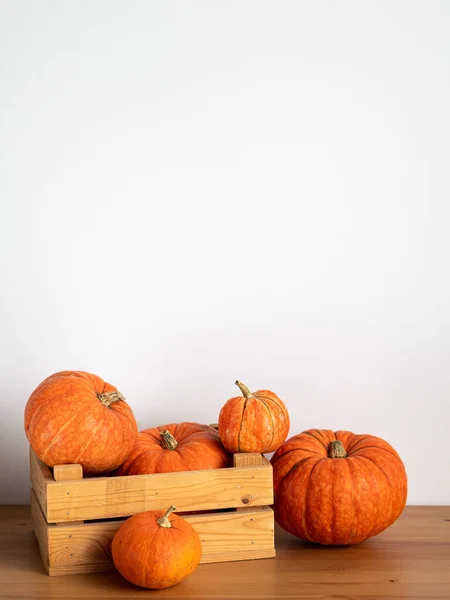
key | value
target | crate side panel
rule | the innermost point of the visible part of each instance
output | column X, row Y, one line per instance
column 111, row 497
column 40, row 528
column 84, row 544
column 40, row 477
column 86, row 548
column 228, row 536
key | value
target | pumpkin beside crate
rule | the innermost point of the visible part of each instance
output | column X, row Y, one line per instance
column 75, row 518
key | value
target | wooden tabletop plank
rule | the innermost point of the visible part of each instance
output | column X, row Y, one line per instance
column 410, row 560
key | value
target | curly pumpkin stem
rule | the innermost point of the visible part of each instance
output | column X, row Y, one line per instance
column 109, row 397
column 164, row 520
column 168, row 441
column 337, row 450
column 244, row 389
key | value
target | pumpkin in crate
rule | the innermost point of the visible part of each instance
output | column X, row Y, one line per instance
column 176, row 447
column 156, row 550
column 257, row 422
column 76, row 417
column 337, row 487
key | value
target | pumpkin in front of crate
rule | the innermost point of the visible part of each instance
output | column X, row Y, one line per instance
column 257, row 422
column 337, row 487
column 76, row 417
column 176, row 447
column 156, row 550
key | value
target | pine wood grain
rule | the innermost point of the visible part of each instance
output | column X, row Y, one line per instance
column 71, row 548
column 410, row 560
column 40, row 477
column 40, row 527
column 67, row 472
column 111, row 497
column 248, row 459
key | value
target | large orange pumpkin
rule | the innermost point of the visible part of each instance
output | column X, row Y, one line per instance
column 75, row 417
column 176, row 447
column 155, row 549
column 257, row 422
column 337, row 488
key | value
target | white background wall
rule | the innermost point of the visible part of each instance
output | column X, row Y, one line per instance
column 194, row 192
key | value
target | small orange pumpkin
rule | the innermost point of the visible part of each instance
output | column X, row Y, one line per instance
column 156, row 549
column 337, row 488
column 76, row 417
column 257, row 422
column 176, row 447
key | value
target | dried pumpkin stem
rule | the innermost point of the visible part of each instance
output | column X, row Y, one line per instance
column 168, row 441
column 164, row 520
column 337, row 450
column 244, row 389
column 109, row 397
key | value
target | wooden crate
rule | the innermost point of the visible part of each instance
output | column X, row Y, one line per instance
column 75, row 518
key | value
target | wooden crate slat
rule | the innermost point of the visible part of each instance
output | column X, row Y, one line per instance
column 62, row 550
column 67, row 472
column 248, row 459
column 85, row 548
column 40, row 476
column 237, row 535
column 40, row 528
column 110, row 497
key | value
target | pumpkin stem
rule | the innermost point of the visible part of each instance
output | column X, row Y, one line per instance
column 337, row 450
column 244, row 389
column 109, row 397
column 164, row 520
column 168, row 441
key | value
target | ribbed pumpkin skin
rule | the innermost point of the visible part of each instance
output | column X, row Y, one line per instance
column 199, row 447
column 256, row 424
column 156, row 557
column 66, row 423
column 337, row 500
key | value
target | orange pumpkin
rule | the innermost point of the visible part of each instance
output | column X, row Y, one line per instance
column 176, row 447
column 75, row 417
column 257, row 422
column 337, row 488
column 155, row 549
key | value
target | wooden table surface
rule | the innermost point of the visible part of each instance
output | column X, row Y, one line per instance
column 409, row 560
